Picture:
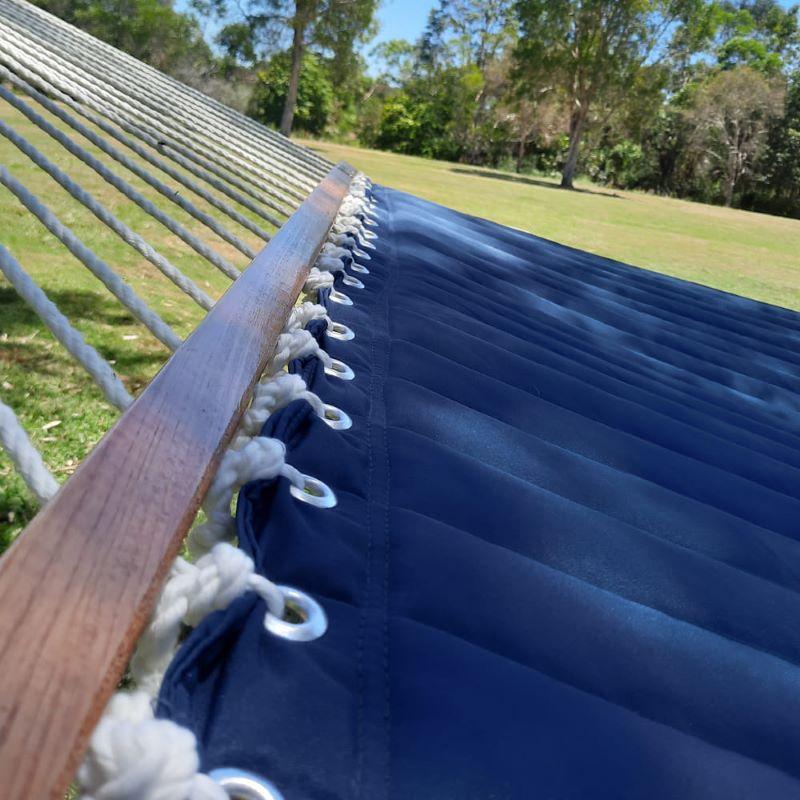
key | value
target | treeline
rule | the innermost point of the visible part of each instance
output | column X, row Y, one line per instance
column 689, row 98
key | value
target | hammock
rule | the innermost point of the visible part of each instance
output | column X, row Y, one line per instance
column 511, row 520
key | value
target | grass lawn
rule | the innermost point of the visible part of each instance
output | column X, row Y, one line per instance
column 58, row 404
column 754, row 255
column 750, row 254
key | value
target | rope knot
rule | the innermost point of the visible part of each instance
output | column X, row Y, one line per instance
column 134, row 755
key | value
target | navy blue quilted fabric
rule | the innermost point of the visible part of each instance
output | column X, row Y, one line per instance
column 565, row 559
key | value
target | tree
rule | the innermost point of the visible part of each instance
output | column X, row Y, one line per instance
column 783, row 154
column 587, row 48
column 313, row 101
column 147, row 29
column 333, row 26
column 757, row 33
column 732, row 113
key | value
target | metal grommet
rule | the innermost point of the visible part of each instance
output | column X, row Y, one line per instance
column 313, row 620
column 349, row 280
column 338, row 369
column 336, row 418
column 340, row 297
column 314, row 492
column 358, row 268
column 361, row 254
column 367, row 245
column 338, row 331
column 242, row 785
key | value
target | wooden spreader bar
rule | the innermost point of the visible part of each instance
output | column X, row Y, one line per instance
column 78, row 586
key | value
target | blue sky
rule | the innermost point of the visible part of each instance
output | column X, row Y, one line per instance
column 399, row 19
column 402, row 19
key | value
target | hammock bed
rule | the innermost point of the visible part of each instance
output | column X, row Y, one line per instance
column 511, row 520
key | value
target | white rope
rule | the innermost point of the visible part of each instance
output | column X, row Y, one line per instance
column 31, row 79
column 162, row 117
column 25, row 457
column 118, row 183
column 99, row 369
column 123, row 80
column 125, row 233
column 127, row 753
column 317, row 280
column 48, row 81
column 303, row 314
column 112, row 281
column 192, row 592
column 133, row 756
column 270, row 396
column 129, row 164
column 261, row 458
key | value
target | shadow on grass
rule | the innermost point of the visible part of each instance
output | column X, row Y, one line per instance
column 17, row 319
column 525, row 179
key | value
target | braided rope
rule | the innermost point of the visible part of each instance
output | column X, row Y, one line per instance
column 160, row 117
column 37, row 74
column 180, row 98
column 132, row 166
column 125, row 233
column 99, row 369
column 101, row 270
column 25, row 456
column 118, row 183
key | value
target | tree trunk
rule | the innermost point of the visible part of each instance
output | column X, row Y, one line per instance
column 520, row 153
column 576, row 124
column 730, row 178
column 298, row 45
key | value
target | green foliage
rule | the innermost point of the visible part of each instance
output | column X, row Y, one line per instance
column 759, row 34
column 781, row 163
column 236, row 42
column 315, row 95
column 147, row 29
column 621, row 165
column 679, row 97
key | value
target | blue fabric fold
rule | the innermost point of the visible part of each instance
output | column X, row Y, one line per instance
column 564, row 561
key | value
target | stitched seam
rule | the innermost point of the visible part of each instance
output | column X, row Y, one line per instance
column 386, row 532
column 362, row 623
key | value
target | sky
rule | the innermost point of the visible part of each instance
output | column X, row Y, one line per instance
column 398, row 19
column 402, row 19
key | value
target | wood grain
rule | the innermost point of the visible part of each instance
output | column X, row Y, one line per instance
column 78, row 586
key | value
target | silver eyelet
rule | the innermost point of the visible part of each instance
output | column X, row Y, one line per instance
column 335, row 418
column 367, row 245
column 361, row 254
column 349, row 280
column 243, row 785
column 314, row 619
column 368, row 234
column 338, row 369
column 339, row 297
column 358, row 268
column 314, row 492
column 338, row 331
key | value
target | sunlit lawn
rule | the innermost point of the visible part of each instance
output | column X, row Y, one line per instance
column 57, row 402
column 749, row 254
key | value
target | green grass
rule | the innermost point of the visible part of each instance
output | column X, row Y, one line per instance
column 754, row 255
column 37, row 378
column 749, row 254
